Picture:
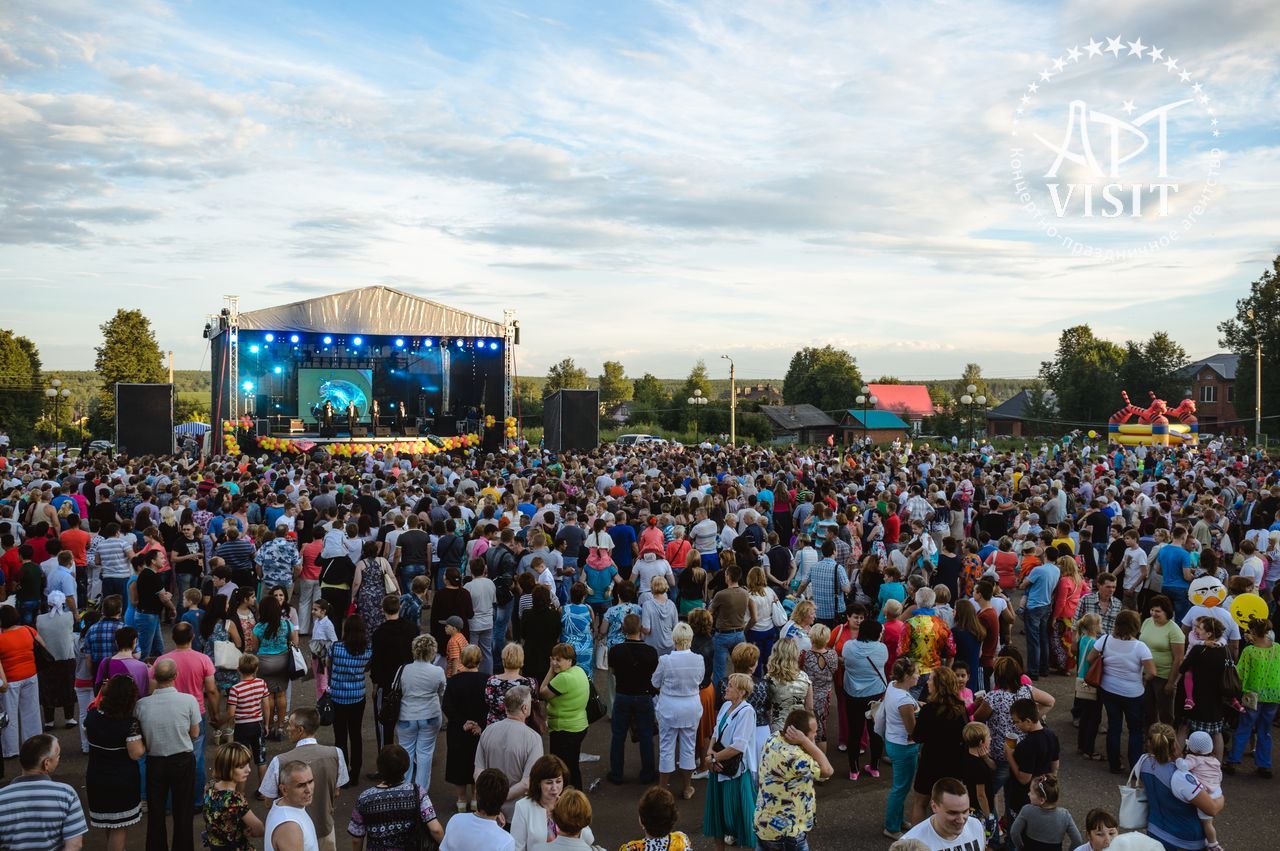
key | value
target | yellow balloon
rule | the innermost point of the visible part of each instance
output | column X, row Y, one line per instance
column 1092, row 433
column 1247, row 607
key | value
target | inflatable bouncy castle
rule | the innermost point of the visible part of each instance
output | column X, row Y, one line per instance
column 1153, row 427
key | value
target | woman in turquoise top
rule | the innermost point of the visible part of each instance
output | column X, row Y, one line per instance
column 275, row 634
column 577, row 626
column 600, row 575
column 893, row 588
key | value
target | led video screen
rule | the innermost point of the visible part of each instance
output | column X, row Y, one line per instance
column 339, row 386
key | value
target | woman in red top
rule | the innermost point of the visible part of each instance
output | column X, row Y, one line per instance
column 1005, row 561
column 22, row 698
column 309, row 579
column 843, row 633
column 892, row 528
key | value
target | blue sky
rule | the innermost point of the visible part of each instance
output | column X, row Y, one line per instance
column 647, row 182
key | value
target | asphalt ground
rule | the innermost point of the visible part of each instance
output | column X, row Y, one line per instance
column 849, row 814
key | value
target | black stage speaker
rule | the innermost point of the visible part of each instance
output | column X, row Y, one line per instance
column 144, row 419
column 382, row 431
column 360, row 431
column 571, row 420
column 491, row 438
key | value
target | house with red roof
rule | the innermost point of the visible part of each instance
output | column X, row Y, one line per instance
column 909, row 401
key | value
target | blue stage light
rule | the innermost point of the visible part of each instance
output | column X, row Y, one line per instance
column 278, row 370
column 428, row 343
column 293, row 338
column 459, row 344
column 356, row 341
column 399, row 342
column 269, row 337
column 493, row 346
column 253, row 349
column 248, row 386
column 328, row 340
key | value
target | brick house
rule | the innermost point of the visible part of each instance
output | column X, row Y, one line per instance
column 763, row 394
column 1212, row 385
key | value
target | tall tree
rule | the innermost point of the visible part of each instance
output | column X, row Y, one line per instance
column 827, row 378
column 972, row 375
column 1084, row 375
column 21, row 396
column 1041, row 410
column 887, row 379
column 528, row 401
column 697, row 380
column 614, row 386
column 129, row 353
column 565, row 375
column 1241, row 334
column 649, row 399
column 1153, row 366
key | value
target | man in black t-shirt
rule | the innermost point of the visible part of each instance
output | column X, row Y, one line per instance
column 392, row 644
column 632, row 664
column 413, row 553
column 452, row 549
column 187, row 557
column 1036, row 754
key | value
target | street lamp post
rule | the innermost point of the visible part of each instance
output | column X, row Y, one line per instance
column 1257, row 381
column 865, row 400
column 973, row 403
column 733, row 404
column 57, row 393
column 696, row 401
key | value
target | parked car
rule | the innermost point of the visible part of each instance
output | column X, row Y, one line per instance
column 635, row 439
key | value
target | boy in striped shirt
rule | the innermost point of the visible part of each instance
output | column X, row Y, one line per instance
column 247, row 699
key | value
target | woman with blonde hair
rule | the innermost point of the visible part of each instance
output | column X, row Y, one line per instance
column 797, row 628
column 678, row 679
column 1066, row 599
column 658, row 616
column 789, row 687
column 761, row 630
column 820, row 663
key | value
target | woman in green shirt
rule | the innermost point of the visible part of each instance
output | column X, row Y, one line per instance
column 1165, row 640
column 567, row 690
column 1259, row 669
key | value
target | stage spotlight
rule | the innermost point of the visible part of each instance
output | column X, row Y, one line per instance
column 248, row 386
column 493, row 346
column 293, row 338
column 355, row 341
column 428, row 343
column 328, row 341
column 253, row 349
column 269, row 337
column 399, row 342
column 278, row 370
column 459, row 344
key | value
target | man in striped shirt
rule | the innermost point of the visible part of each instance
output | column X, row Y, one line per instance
column 36, row 812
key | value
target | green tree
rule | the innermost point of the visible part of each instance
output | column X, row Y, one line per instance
column 529, row 401
column 191, row 410
column 21, row 393
column 1242, row 335
column 827, row 378
column 614, row 386
column 1041, row 411
column 649, row 399
column 972, row 375
column 129, row 353
column 565, row 375
column 887, row 379
column 1153, row 366
column 1084, row 375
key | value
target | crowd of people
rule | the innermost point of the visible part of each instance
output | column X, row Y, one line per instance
column 738, row 615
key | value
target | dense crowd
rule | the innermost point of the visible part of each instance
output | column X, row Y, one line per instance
column 737, row 616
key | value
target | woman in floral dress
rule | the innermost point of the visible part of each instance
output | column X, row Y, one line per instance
column 229, row 821
column 577, row 626
column 820, row 663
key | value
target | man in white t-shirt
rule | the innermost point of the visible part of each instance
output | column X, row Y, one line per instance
column 1134, row 565
column 1231, row 628
column 950, row 828
column 288, row 826
column 703, row 535
column 482, row 830
column 1253, row 566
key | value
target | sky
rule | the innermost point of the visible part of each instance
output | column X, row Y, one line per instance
column 649, row 182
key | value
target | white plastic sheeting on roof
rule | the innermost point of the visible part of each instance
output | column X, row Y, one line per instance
column 370, row 310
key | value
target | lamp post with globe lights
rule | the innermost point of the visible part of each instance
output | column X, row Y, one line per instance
column 696, row 401
column 865, row 400
column 56, row 392
column 973, row 403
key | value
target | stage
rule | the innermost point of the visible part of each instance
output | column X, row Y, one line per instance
column 371, row 366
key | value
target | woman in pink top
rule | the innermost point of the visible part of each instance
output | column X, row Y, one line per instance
column 1066, row 597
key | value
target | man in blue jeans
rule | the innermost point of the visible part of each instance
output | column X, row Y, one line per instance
column 632, row 664
column 1176, row 572
column 730, row 610
column 1039, row 586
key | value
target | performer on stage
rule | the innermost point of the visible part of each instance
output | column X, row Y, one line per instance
column 375, row 412
column 326, row 416
column 353, row 416
column 400, row 415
